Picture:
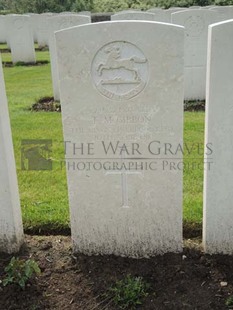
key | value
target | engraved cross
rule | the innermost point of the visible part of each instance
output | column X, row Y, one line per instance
column 124, row 183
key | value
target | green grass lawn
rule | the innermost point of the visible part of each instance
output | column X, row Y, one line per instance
column 193, row 175
column 40, row 56
column 6, row 57
column 3, row 46
column 43, row 194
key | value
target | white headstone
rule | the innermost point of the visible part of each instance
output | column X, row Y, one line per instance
column 20, row 37
column 218, row 181
column 134, row 16
column 71, row 13
column 128, row 11
column 57, row 23
column 67, row 12
column 195, row 49
column 34, row 21
column 42, row 30
column 194, row 7
column 207, row 7
column 175, row 9
column 171, row 10
column 11, row 228
column 7, row 28
column 86, row 13
column 49, row 14
column 118, row 89
column 224, row 12
column 153, row 10
column 160, row 15
column 2, row 29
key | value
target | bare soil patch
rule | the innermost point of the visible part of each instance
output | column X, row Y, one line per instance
column 46, row 104
column 190, row 280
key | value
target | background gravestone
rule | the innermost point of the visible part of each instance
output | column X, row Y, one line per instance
column 218, row 181
column 115, row 87
column 58, row 23
column 195, row 7
column 129, row 11
column 68, row 13
column 168, row 12
column 43, row 29
column 207, row 7
column 156, row 9
column 175, row 9
column 34, row 22
column 11, row 228
column 161, row 15
column 2, row 29
column 195, row 49
column 20, row 36
column 85, row 13
column 224, row 13
column 7, row 28
column 134, row 16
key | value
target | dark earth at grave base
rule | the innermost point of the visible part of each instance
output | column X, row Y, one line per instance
column 10, row 64
column 46, row 104
column 190, row 280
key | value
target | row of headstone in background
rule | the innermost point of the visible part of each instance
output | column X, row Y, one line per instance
column 156, row 14
column 22, row 30
column 196, row 21
column 161, row 15
column 39, row 23
column 20, row 39
column 119, row 78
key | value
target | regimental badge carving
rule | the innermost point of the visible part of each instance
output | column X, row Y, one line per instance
column 194, row 25
column 66, row 23
column 120, row 70
column 18, row 23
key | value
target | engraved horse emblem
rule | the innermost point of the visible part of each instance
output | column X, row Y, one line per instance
column 114, row 61
column 120, row 70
